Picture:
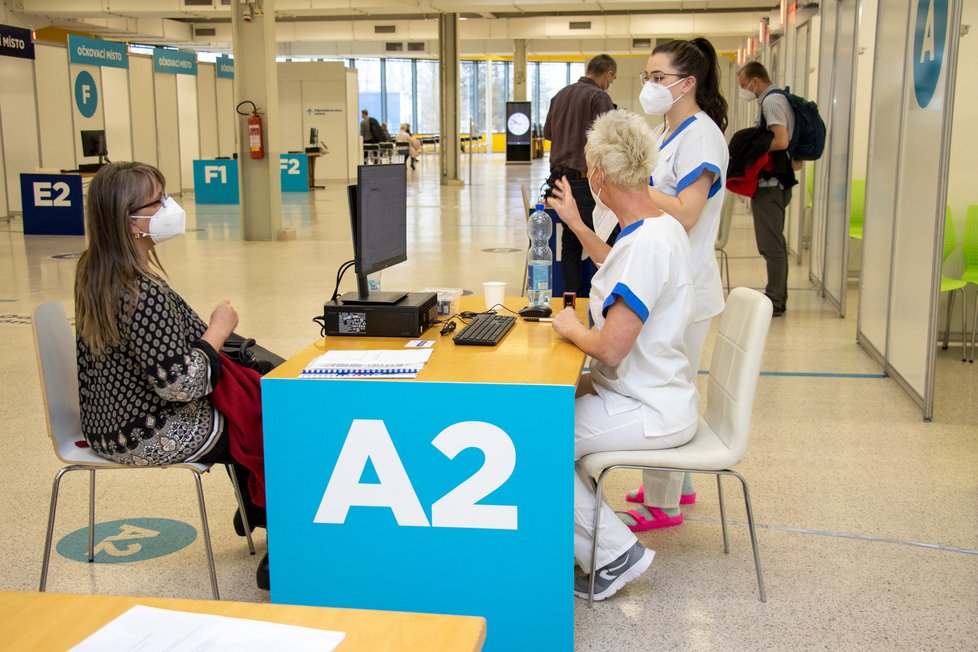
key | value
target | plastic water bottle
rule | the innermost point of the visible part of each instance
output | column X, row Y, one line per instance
column 541, row 263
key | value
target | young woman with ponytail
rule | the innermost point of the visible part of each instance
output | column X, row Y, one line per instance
column 682, row 82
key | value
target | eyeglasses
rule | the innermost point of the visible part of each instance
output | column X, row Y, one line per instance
column 656, row 77
column 158, row 202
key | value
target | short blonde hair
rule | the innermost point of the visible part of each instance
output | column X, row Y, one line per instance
column 622, row 145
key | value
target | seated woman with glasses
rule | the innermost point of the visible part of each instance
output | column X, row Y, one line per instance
column 640, row 392
column 149, row 369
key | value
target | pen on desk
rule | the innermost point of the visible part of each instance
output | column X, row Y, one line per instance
column 538, row 319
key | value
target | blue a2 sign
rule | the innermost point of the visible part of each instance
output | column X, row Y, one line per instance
column 929, row 41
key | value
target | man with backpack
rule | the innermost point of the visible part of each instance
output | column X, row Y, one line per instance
column 773, row 193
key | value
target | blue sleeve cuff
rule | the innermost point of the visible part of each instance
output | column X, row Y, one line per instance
column 687, row 180
column 632, row 301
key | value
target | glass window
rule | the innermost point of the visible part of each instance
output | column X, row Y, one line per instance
column 482, row 79
column 467, row 101
column 428, row 99
column 368, row 79
column 400, row 108
column 576, row 71
column 502, row 92
column 553, row 77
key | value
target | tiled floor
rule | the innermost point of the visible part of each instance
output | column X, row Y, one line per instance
column 869, row 516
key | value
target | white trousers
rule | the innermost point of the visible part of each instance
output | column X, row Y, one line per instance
column 594, row 431
column 662, row 488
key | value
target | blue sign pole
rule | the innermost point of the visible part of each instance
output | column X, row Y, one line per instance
column 176, row 62
column 52, row 204
column 16, row 42
column 216, row 182
column 295, row 172
column 929, row 41
column 96, row 52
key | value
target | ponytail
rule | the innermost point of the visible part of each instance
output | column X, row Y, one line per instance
column 698, row 58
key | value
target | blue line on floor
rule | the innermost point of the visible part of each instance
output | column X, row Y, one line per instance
column 8, row 300
column 839, row 535
column 807, row 374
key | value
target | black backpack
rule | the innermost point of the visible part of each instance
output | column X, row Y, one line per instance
column 808, row 140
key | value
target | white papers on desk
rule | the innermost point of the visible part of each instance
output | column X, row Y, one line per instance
column 148, row 629
column 398, row 363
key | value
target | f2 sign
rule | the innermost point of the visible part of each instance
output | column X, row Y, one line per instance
column 52, row 204
column 458, row 507
column 295, row 172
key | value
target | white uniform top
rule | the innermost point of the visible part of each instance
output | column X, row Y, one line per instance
column 697, row 145
column 649, row 268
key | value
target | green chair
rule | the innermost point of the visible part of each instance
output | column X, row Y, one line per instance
column 953, row 285
column 857, row 201
column 970, row 248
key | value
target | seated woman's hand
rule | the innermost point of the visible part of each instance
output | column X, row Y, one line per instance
column 562, row 201
column 224, row 319
column 566, row 321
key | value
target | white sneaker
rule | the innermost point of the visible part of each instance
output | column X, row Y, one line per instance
column 617, row 574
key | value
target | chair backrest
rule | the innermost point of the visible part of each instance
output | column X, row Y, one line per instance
column 857, row 202
column 969, row 244
column 526, row 202
column 54, row 344
column 726, row 217
column 735, row 366
column 950, row 242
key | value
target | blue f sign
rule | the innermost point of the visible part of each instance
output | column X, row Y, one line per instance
column 929, row 39
column 86, row 95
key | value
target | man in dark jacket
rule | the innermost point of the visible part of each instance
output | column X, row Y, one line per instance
column 572, row 111
column 773, row 193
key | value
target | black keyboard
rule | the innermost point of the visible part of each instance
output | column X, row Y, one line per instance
column 485, row 330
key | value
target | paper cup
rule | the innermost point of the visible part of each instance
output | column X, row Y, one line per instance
column 495, row 293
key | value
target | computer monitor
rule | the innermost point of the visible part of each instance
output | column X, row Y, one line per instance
column 378, row 217
column 93, row 143
column 313, row 137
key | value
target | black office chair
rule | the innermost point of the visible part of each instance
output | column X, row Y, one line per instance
column 371, row 153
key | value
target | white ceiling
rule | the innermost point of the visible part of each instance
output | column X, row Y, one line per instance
column 312, row 28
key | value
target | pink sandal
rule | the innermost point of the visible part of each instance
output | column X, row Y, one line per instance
column 639, row 496
column 659, row 520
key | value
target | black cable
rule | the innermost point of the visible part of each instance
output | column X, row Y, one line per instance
column 254, row 107
column 322, row 325
column 339, row 277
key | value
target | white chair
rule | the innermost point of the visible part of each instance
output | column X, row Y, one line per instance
column 721, row 438
column 54, row 342
column 723, row 234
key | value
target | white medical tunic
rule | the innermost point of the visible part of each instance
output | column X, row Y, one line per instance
column 695, row 146
column 649, row 269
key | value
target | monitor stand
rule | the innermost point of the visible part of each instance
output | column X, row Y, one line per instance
column 388, row 298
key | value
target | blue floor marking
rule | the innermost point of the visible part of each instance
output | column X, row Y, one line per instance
column 807, row 374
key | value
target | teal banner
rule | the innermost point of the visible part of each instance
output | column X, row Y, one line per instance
column 97, row 52
column 174, row 62
column 225, row 67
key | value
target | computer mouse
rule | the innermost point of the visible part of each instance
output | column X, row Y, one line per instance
column 535, row 311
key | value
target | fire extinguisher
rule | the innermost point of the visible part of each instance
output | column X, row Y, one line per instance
column 256, row 136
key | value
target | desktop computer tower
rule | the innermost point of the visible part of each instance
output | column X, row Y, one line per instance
column 411, row 316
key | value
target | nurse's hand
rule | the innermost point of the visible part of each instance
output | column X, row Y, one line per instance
column 562, row 201
column 566, row 322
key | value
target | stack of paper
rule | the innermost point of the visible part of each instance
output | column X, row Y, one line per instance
column 368, row 364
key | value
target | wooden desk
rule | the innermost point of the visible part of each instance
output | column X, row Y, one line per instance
column 448, row 493
column 58, row 621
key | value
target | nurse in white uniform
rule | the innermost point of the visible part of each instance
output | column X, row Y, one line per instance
column 681, row 81
column 641, row 392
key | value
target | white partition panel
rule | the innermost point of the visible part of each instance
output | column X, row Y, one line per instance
column 188, row 127
column 4, row 208
column 207, row 110
column 54, row 100
column 168, row 130
column 798, row 66
column 882, row 176
column 18, row 124
column 918, row 236
column 290, row 131
column 826, row 63
column 839, row 154
column 142, row 100
column 118, row 129
column 82, row 122
column 227, row 119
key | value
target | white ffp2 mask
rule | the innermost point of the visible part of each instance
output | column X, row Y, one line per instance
column 166, row 223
